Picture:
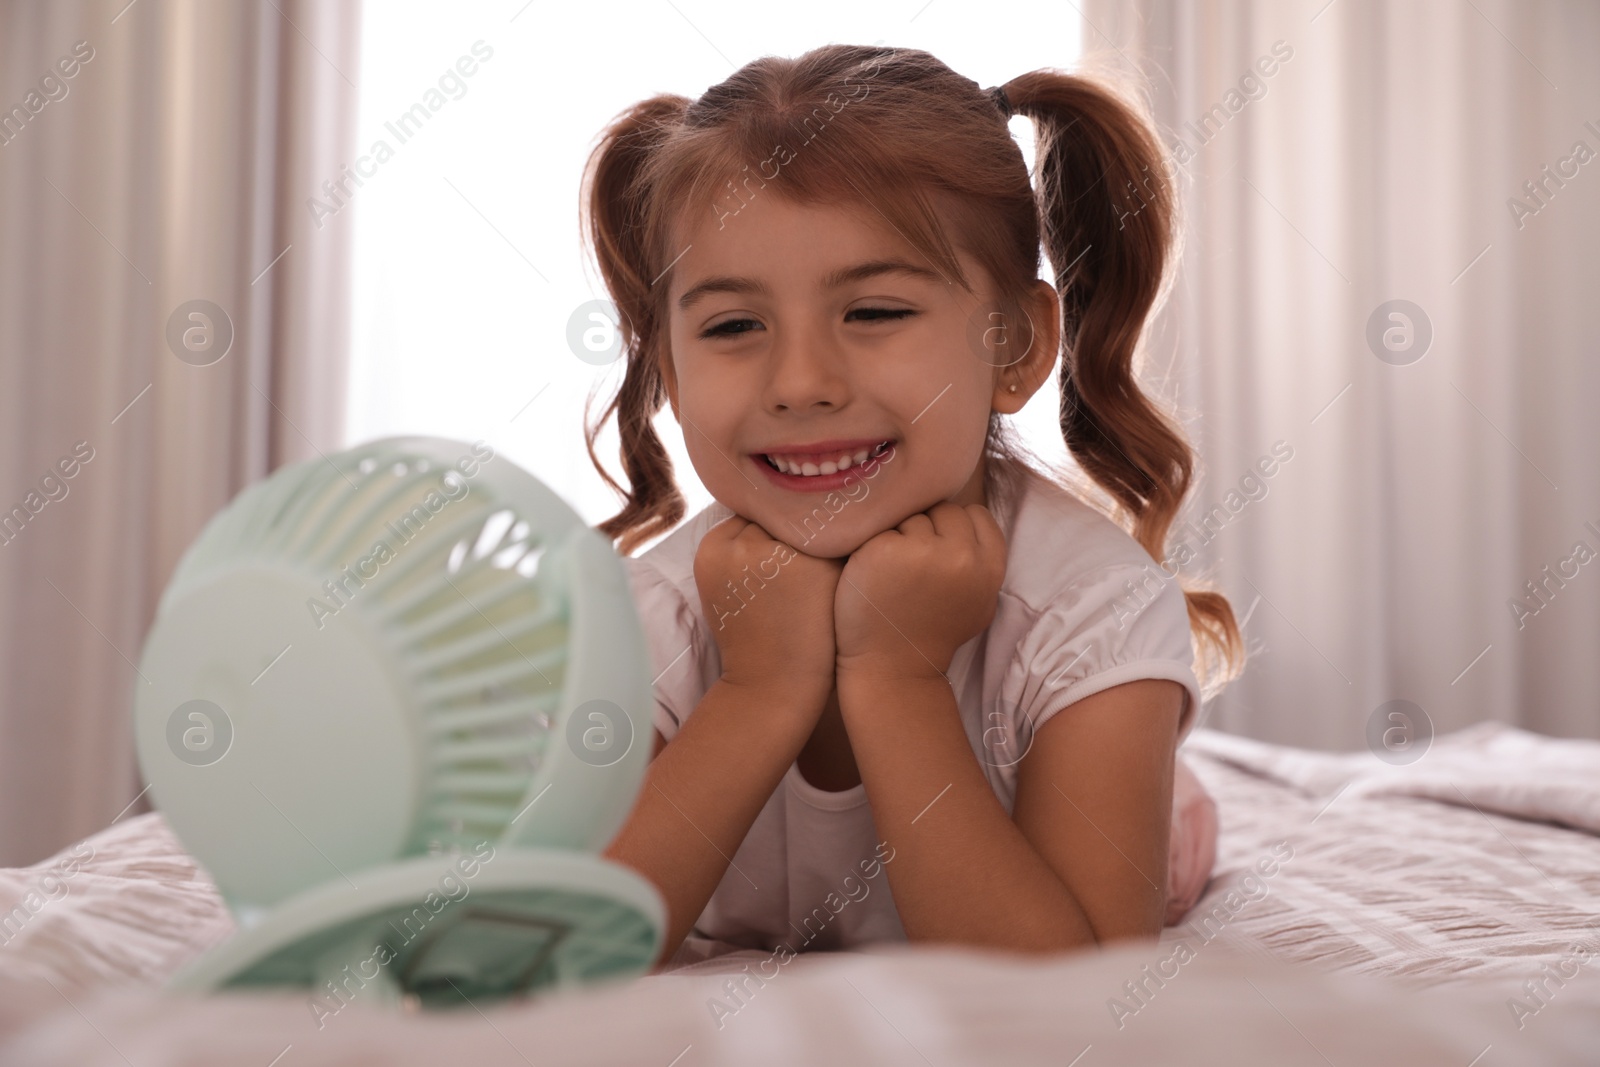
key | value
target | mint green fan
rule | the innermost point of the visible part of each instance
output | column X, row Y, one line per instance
column 395, row 701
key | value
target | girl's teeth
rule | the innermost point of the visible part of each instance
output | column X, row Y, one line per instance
column 811, row 470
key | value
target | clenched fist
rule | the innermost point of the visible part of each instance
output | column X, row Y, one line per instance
column 769, row 608
column 911, row 596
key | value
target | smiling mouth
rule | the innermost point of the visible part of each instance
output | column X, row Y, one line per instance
column 821, row 464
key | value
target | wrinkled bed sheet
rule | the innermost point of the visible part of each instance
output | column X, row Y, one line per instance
column 1465, row 864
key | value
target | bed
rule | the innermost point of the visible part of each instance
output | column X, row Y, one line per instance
column 1446, row 911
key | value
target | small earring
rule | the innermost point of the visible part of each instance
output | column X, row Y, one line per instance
column 1012, row 387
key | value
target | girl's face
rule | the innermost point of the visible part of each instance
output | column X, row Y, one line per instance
column 813, row 335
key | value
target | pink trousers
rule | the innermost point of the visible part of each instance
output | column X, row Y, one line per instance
column 1193, row 849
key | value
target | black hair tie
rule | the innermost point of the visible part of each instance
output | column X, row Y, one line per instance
column 1001, row 100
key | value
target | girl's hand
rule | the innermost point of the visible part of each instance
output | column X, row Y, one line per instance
column 911, row 596
column 769, row 607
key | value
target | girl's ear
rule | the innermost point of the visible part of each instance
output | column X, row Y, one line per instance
column 1016, row 382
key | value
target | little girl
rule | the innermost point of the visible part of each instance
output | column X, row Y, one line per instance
column 911, row 684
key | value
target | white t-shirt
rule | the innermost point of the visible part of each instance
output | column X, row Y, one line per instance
column 1083, row 607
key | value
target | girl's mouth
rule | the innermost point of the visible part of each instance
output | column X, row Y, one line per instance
column 817, row 472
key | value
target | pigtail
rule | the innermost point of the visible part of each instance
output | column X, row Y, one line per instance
column 613, row 207
column 1108, row 219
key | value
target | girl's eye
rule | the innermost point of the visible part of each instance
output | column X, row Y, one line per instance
column 722, row 329
column 883, row 314
column 726, row 329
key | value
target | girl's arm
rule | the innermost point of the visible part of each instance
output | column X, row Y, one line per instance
column 1097, row 782
column 1094, row 797
column 1083, row 860
column 770, row 611
column 704, row 790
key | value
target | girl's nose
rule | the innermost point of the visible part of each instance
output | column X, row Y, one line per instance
column 807, row 370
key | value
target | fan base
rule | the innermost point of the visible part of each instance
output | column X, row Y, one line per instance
column 525, row 920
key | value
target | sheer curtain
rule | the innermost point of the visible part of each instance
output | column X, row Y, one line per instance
column 1393, row 216
column 172, row 327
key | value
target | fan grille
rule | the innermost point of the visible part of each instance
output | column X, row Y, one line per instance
column 452, row 581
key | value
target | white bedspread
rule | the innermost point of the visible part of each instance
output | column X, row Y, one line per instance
column 1436, row 872
column 1489, row 766
column 1377, row 890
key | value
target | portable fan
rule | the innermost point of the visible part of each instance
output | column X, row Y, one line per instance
column 394, row 701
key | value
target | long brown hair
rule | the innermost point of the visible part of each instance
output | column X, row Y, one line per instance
column 896, row 129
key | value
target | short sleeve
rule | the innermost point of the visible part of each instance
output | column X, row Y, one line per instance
column 672, row 635
column 1118, row 624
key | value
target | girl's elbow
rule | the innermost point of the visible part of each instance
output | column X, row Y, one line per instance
column 1142, row 927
